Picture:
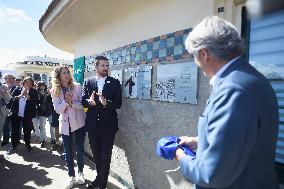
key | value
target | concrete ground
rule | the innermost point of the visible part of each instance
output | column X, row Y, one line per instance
column 41, row 168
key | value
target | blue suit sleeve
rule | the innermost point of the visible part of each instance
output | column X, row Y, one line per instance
column 230, row 131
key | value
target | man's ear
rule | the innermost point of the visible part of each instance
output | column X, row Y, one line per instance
column 203, row 55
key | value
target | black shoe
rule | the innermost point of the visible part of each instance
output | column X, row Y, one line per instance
column 29, row 149
column 54, row 147
column 94, row 184
column 42, row 144
column 61, row 147
column 3, row 143
column 11, row 151
column 53, row 141
column 63, row 156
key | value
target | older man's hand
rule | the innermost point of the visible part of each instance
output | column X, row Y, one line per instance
column 179, row 154
column 191, row 142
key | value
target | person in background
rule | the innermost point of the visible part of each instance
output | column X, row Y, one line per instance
column 44, row 104
column 66, row 97
column 102, row 96
column 23, row 110
column 55, row 135
column 53, row 120
column 18, row 82
column 36, row 131
column 5, row 98
column 10, row 82
column 10, row 85
column 237, row 131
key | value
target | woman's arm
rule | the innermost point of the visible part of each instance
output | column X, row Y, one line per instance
column 59, row 104
column 77, row 97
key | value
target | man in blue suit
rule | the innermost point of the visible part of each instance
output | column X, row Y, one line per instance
column 237, row 131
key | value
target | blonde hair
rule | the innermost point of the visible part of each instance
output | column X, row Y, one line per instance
column 56, row 83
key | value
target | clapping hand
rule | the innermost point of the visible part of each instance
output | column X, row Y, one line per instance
column 102, row 98
column 91, row 100
column 25, row 92
column 68, row 97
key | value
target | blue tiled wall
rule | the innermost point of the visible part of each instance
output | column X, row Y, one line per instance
column 163, row 48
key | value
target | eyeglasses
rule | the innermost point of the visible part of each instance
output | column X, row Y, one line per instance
column 9, row 78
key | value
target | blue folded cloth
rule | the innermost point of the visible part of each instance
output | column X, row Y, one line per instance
column 168, row 145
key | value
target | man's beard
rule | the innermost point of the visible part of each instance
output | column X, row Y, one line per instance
column 104, row 73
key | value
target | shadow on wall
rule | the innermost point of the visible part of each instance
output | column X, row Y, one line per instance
column 138, row 141
column 141, row 124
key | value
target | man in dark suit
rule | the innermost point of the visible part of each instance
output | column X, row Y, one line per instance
column 237, row 131
column 102, row 96
column 23, row 110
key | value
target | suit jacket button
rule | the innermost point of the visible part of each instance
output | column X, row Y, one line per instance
column 98, row 119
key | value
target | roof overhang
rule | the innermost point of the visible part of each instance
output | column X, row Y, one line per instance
column 66, row 21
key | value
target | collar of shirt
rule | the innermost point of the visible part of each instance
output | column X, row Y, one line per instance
column 100, row 83
column 97, row 78
column 213, row 79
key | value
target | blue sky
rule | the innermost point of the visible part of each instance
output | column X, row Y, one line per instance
column 19, row 31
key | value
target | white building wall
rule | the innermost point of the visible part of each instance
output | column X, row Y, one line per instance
column 158, row 18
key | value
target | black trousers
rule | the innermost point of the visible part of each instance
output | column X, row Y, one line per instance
column 101, row 144
column 27, row 128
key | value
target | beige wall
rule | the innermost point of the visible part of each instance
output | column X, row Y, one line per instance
column 232, row 10
column 158, row 18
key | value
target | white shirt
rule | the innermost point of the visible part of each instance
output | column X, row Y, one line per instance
column 101, row 83
column 22, row 105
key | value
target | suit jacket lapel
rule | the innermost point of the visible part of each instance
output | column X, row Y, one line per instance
column 94, row 85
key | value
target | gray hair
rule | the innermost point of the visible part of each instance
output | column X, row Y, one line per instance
column 216, row 35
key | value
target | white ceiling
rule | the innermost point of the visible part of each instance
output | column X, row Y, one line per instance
column 84, row 16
